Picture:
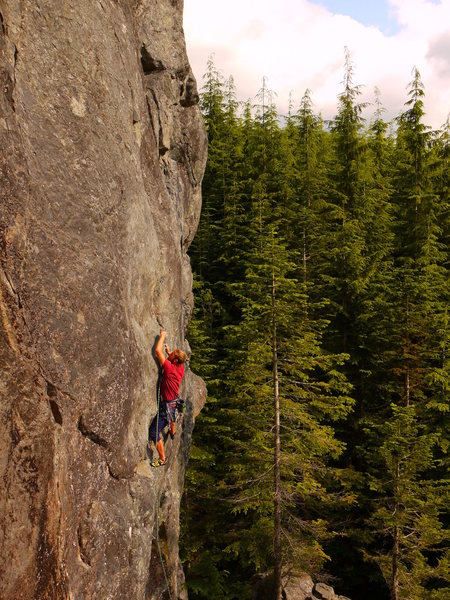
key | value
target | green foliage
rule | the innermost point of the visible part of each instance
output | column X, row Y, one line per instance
column 339, row 236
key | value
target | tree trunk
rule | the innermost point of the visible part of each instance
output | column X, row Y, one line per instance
column 277, row 494
column 304, row 258
column 395, row 556
column 395, row 545
column 407, row 350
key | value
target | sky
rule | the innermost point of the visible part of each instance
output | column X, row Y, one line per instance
column 299, row 45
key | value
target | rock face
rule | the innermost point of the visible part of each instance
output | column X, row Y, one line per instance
column 102, row 155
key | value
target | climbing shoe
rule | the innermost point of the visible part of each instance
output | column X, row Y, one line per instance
column 158, row 462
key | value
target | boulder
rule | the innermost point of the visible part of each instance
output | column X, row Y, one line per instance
column 323, row 592
column 295, row 587
column 298, row 588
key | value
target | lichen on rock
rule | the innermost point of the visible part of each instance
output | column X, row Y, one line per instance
column 103, row 153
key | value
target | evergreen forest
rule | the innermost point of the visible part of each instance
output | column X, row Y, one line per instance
column 321, row 330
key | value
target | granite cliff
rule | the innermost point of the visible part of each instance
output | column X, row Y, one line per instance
column 102, row 155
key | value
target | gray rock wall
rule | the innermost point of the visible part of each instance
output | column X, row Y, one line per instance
column 102, row 152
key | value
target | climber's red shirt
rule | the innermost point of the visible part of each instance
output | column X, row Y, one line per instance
column 171, row 379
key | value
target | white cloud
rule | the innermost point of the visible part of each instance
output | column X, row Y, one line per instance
column 439, row 54
column 300, row 45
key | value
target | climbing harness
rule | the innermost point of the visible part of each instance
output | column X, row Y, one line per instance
column 173, row 410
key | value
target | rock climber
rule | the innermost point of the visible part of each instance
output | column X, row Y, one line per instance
column 172, row 374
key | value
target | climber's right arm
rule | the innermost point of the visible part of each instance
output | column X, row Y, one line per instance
column 159, row 348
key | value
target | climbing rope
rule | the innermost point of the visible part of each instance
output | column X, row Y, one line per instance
column 157, row 498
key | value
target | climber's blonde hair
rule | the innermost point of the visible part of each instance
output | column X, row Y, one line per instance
column 178, row 357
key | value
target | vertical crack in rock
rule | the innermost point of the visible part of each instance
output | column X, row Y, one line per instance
column 52, row 394
column 188, row 92
column 81, row 549
column 91, row 435
column 150, row 64
column 6, row 82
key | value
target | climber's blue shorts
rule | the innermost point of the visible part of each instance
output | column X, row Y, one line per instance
column 161, row 423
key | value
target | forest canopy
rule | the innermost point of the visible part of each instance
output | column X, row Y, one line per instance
column 321, row 277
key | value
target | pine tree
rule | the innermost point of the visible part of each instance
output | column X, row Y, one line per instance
column 408, row 516
column 347, row 255
column 409, row 510
column 203, row 511
column 204, row 248
column 310, row 390
column 231, row 233
column 311, row 203
column 275, row 346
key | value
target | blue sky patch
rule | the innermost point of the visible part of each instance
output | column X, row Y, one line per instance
column 367, row 12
